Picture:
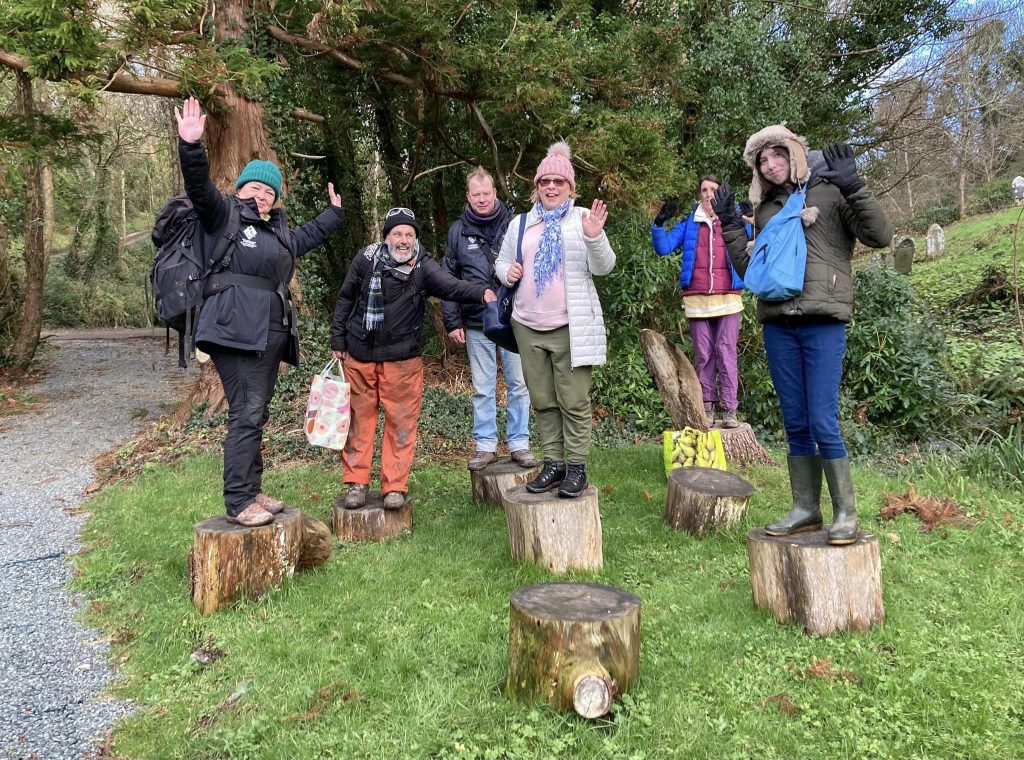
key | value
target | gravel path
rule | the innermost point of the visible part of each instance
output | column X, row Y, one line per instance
column 98, row 392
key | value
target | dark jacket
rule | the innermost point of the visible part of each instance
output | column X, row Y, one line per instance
column 240, row 317
column 405, row 290
column 831, row 236
column 470, row 256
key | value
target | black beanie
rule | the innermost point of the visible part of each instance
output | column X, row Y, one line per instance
column 397, row 216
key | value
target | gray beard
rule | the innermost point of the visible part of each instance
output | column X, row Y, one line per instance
column 402, row 256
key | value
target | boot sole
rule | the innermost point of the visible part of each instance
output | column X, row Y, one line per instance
column 842, row 541
column 551, row 487
column 569, row 494
column 791, row 532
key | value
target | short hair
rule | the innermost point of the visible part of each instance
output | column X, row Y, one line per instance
column 480, row 174
column 708, row 178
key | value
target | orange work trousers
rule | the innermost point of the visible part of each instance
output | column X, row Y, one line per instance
column 397, row 388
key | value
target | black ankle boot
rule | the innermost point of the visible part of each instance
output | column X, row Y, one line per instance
column 550, row 477
column 575, row 481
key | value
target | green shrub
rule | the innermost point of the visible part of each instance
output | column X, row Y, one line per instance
column 991, row 196
column 942, row 215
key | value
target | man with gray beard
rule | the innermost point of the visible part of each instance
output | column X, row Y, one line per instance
column 376, row 333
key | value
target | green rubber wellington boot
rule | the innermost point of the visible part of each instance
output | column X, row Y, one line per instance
column 805, row 483
column 844, row 503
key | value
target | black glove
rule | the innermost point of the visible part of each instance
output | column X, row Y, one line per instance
column 668, row 210
column 842, row 169
column 746, row 208
column 724, row 205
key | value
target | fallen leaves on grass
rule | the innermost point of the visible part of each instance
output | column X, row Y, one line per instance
column 784, row 703
column 932, row 512
column 823, row 669
column 322, row 699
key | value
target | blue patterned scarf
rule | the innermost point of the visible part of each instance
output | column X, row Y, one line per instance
column 548, row 260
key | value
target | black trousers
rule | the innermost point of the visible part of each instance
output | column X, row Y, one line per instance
column 248, row 379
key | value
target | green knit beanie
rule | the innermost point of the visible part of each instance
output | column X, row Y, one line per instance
column 261, row 171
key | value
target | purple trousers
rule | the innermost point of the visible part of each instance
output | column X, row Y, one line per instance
column 714, row 348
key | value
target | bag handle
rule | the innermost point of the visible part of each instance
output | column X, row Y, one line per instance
column 519, row 243
column 326, row 371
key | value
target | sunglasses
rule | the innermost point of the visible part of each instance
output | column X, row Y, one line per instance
column 399, row 210
column 556, row 181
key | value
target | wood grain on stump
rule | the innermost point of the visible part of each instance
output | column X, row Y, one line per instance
column 575, row 646
column 229, row 561
column 742, row 447
column 371, row 522
column 491, row 483
column 701, row 499
column 552, row 532
column 317, row 542
column 802, row 579
column 676, row 380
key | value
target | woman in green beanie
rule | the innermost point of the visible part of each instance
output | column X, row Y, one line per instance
column 247, row 324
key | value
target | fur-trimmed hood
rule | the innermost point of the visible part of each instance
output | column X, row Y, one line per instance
column 776, row 136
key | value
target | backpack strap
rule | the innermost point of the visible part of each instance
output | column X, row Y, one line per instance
column 519, row 243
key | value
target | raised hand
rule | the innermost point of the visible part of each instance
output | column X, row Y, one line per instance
column 333, row 196
column 724, row 206
column 667, row 211
column 191, row 120
column 842, row 168
column 593, row 221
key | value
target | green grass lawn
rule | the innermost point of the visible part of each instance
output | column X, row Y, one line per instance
column 399, row 649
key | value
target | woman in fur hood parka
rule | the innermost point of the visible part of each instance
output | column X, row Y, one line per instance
column 805, row 336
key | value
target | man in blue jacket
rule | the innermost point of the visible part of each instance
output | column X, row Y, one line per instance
column 473, row 244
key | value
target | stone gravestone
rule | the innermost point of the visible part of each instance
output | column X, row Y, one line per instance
column 1018, row 190
column 936, row 241
column 903, row 253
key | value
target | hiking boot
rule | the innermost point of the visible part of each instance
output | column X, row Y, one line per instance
column 394, row 500
column 524, row 458
column 550, row 477
column 481, row 459
column 729, row 419
column 269, row 503
column 844, row 503
column 356, row 496
column 251, row 517
column 709, row 413
column 575, row 481
column 805, row 485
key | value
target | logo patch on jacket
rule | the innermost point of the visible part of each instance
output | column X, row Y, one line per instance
column 250, row 233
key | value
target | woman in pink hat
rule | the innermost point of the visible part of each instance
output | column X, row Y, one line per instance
column 553, row 252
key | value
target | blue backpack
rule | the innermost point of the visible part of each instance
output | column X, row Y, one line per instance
column 776, row 268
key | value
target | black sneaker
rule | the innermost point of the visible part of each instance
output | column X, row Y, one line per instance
column 550, row 477
column 575, row 481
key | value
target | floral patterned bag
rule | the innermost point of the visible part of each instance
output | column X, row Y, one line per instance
column 328, row 412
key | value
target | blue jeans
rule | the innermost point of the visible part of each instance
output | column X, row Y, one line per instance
column 806, row 362
column 483, row 363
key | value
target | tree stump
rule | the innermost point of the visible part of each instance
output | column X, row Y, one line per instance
column 552, row 532
column 372, row 522
column 574, row 645
column 317, row 543
column 741, row 446
column 803, row 579
column 701, row 499
column 676, row 380
column 231, row 561
column 491, row 483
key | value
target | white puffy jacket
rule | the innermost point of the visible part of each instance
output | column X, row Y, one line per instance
column 582, row 258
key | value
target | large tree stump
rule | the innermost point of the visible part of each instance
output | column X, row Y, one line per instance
column 491, row 483
column 574, row 645
column 701, row 499
column 741, row 446
column 230, row 561
column 372, row 522
column 552, row 532
column 317, row 543
column 803, row 579
column 676, row 380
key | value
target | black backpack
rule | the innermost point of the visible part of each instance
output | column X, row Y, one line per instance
column 179, row 274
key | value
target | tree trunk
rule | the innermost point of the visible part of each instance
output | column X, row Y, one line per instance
column 38, row 235
column 371, row 522
column 675, row 379
column 701, row 499
column 492, row 483
column 554, row 533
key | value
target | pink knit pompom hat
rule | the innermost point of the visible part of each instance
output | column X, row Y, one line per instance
column 557, row 163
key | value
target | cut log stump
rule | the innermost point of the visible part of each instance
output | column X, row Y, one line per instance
column 491, row 483
column 575, row 646
column 372, row 522
column 317, row 542
column 701, row 499
column 555, row 533
column 742, row 447
column 676, row 380
column 802, row 579
column 228, row 562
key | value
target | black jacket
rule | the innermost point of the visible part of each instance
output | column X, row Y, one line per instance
column 470, row 256
column 240, row 316
column 405, row 291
